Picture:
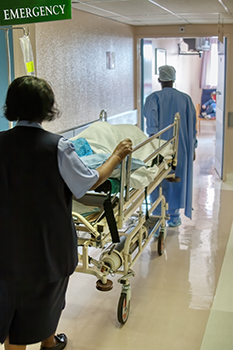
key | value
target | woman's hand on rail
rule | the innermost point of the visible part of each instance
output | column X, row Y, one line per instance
column 123, row 149
column 119, row 153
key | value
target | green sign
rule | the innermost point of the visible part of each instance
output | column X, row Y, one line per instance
column 13, row 12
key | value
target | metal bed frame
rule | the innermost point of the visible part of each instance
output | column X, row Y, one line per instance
column 135, row 227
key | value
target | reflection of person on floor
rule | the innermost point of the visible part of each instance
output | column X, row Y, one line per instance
column 39, row 171
column 210, row 107
column 160, row 109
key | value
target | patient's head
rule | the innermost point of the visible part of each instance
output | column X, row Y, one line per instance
column 30, row 98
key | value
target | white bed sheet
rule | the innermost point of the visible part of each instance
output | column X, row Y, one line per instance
column 104, row 137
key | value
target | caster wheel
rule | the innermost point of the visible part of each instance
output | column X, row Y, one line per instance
column 123, row 309
column 161, row 243
column 104, row 287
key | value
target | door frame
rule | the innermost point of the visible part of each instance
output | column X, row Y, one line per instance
column 210, row 31
column 220, row 171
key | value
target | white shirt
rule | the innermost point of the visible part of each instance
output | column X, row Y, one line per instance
column 78, row 177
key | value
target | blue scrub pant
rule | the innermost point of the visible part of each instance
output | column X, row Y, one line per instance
column 174, row 213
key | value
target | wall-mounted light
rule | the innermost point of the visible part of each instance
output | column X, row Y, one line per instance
column 110, row 60
column 160, row 59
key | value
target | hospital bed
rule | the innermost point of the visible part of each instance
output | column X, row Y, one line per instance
column 114, row 223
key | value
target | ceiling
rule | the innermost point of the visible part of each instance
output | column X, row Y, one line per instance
column 160, row 12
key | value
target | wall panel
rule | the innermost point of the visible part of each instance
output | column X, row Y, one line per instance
column 71, row 55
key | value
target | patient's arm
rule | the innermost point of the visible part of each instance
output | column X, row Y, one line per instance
column 105, row 170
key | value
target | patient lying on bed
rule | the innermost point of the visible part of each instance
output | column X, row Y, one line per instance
column 96, row 143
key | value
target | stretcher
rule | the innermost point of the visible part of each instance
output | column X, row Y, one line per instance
column 114, row 224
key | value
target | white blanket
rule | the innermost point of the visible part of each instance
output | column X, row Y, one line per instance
column 104, row 137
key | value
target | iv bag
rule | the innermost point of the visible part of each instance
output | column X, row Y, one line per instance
column 27, row 55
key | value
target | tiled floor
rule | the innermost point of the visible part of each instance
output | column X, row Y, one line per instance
column 181, row 300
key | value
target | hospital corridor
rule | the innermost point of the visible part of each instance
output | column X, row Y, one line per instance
column 181, row 300
column 102, row 102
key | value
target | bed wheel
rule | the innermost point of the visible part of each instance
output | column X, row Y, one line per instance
column 161, row 243
column 123, row 308
column 104, row 287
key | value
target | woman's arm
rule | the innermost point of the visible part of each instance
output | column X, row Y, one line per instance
column 105, row 170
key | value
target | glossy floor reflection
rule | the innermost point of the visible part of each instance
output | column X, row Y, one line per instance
column 174, row 304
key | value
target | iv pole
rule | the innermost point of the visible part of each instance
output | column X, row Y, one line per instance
column 6, row 29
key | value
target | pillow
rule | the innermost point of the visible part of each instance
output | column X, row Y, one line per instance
column 82, row 147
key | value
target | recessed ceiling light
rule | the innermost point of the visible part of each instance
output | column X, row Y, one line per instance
column 224, row 6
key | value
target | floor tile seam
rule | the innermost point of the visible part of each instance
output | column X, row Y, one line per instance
column 178, row 291
column 226, row 189
column 202, row 294
column 219, row 310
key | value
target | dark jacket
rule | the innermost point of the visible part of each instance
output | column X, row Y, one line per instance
column 37, row 235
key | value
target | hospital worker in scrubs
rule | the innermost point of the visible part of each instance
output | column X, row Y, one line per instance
column 159, row 110
column 39, row 172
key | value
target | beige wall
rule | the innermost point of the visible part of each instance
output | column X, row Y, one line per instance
column 71, row 55
column 193, row 31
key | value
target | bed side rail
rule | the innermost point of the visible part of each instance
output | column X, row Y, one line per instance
column 126, row 163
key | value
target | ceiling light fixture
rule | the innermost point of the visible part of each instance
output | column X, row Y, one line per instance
column 111, row 14
column 224, row 6
column 165, row 9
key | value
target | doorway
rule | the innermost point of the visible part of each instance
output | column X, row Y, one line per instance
column 187, row 56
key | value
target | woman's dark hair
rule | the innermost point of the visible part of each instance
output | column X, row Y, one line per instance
column 30, row 98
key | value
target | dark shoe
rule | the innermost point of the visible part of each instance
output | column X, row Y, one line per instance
column 62, row 342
